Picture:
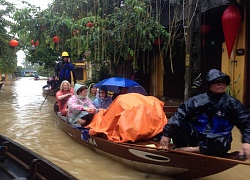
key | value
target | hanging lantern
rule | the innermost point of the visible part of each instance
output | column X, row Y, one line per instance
column 89, row 24
column 76, row 32
column 205, row 29
column 157, row 41
column 231, row 20
column 56, row 39
column 13, row 43
column 37, row 43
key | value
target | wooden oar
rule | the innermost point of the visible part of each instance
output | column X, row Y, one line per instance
column 47, row 95
column 191, row 154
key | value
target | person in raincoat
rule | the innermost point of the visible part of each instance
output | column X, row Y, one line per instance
column 92, row 91
column 204, row 123
column 64, row 69
column 122, row 90
column 63, row 95
column 102, row 101
column 81, row 108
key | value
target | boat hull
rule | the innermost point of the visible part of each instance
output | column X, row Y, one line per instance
column 17, row 162
column 50, row 92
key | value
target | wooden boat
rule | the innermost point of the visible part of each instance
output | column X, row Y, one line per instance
column 1, row 85
column 18, row 162
column 51, row 92
column 148, row 156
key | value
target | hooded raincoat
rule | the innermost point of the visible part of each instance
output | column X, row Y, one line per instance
column 206, row 120
column 102, row 103
column 90, row 95
column 75, row 105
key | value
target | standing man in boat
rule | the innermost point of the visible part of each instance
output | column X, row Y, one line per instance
column 65, row 69
column 204, row 122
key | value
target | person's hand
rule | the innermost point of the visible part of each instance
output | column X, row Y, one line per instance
column 66, row 95
column 245, row 150
column 90, row 110
column 165, row 141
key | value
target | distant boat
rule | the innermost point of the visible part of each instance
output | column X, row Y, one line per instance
column 18, row 162
column 48, row 91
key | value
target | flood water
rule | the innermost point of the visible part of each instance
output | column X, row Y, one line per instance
column 27, row 117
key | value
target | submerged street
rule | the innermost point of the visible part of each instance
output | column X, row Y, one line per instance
column 30, row 122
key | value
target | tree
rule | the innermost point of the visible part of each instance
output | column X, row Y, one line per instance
column 7, row 53
column 110, row 33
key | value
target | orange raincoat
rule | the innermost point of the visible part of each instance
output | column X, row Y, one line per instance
column 130, row 117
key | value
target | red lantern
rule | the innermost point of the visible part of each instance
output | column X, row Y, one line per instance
column 37, row 43
column 90, row 24
column 13, row 43
column 56, row 39
column 231, row 20
column 205, row 29
column 157, row 41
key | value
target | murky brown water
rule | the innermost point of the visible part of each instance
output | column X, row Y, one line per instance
column 25, row 120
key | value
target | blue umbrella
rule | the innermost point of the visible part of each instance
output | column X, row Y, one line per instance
column 113, row 84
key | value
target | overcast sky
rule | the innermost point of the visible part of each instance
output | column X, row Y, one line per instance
column 18, row 3
column 42, row 3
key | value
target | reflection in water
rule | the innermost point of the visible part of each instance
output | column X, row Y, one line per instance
column 25, row 120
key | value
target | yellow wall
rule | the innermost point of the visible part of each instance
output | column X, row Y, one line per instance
column 83, row 66
column 235, row 65
column 157, row 71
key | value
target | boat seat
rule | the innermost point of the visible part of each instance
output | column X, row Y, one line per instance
column 59, row 114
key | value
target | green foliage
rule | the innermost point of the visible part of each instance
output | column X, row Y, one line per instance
column 45, row 72
column 231, row 88
column 7, row 53
column 117, row 32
